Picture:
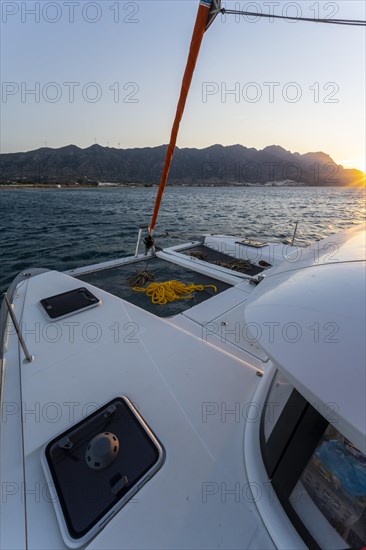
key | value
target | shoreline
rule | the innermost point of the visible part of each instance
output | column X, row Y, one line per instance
column 60, row 187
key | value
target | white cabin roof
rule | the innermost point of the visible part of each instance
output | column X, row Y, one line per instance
column 310, row 315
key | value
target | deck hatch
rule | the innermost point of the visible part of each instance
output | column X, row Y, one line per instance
column 98, row 465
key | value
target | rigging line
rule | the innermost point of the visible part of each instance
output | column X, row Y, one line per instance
column 350, row 22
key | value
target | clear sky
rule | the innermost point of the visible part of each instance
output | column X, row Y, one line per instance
column 110, row 71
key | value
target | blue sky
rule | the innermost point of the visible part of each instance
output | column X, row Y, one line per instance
column 110, row 72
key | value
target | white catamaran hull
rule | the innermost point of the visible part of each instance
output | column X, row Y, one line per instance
column 200, row 381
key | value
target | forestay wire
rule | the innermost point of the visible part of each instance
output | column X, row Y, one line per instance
column 350, row 22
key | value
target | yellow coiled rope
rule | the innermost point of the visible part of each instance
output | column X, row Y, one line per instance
column 162, row 293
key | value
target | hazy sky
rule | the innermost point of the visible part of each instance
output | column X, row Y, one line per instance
column 110, row 71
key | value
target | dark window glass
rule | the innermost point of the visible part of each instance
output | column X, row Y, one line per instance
column 333, row 485
column 318, row 475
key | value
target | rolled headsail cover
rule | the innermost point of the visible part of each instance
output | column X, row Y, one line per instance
column 207, row 12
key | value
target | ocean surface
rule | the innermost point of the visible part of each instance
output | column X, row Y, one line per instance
column 67, row 228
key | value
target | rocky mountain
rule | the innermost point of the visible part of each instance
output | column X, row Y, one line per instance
column 215, row 165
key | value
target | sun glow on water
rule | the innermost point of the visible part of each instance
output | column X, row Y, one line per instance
column 360, row 182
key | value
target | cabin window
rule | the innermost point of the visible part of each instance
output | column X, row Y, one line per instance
column 318, row 475
column 333, row 486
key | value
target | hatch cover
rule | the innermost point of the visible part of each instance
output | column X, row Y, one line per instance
column 97, row 465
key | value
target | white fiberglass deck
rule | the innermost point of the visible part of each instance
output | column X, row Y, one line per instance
column 82, row 362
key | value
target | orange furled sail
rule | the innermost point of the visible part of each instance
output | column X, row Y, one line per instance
column 207, row 11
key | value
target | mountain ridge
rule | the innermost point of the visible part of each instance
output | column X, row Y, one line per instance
column 213, row 165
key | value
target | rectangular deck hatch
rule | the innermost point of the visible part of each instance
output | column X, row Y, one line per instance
column 96, row 466
column 67, row 303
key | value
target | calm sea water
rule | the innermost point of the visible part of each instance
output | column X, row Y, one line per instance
column 66, row 228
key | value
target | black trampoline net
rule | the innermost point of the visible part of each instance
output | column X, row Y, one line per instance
column 202, row 252
column 115, row 281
